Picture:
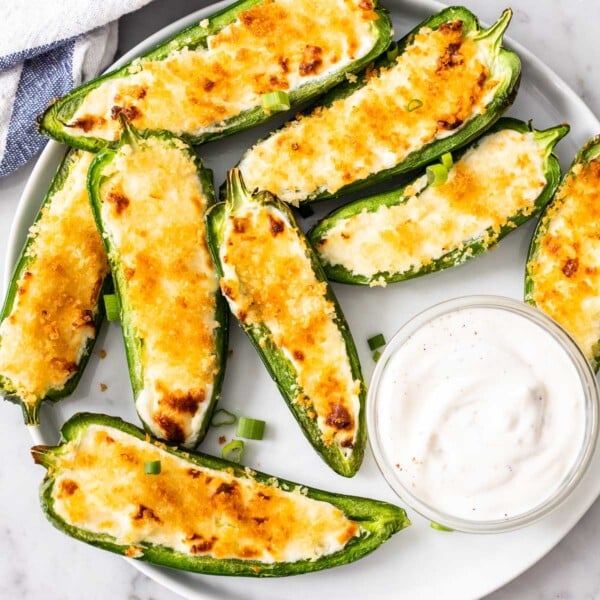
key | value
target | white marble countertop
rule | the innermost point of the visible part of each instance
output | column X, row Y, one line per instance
column 36, row 561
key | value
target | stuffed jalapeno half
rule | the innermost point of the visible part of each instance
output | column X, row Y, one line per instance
column 277, row 290
column 484, row 193
column 450, row 81
column 149, row 196
column 196, row 512
column 226, row 73
column 563, row 269
column 52, row 310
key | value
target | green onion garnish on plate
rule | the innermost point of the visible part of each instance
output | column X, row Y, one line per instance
column 233, row 451
column 439, row 527
column 375, row 342
column 275, row 101
column 436, row 174
column 152, row 467
column 414, row 104
column 251, row 429
column 111, row 306
column 222, row 417
column 447, row 160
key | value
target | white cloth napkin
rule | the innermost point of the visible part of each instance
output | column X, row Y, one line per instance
column 46, row 48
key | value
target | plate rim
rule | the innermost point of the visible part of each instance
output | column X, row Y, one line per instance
column 53, row 152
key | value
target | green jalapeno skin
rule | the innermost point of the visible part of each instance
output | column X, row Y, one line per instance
column 41, row 251
column 455, row 255
column 57, row 121
column 345, row 460
column 186, row 399
column 505, row 67
column 376, row 520
column 560, row 251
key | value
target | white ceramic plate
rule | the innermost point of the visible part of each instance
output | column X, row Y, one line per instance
column 418, row 562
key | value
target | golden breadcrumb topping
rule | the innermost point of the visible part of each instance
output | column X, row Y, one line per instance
column 272, row 46
column 439, row 83
column 566, row 268
column 269, row 280
column 500, row 178
column 153, row 209
column 100, row 486
column 51, row 321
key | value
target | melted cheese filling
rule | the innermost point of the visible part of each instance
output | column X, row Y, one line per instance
column 45, row 335
column 377, row 126
column 500, row 178
column 100, row 486
column 153, row 212
column 566, row 267
column 275, row 45
column 269, row 280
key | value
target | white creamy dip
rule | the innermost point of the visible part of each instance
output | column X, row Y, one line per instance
column 480, row 414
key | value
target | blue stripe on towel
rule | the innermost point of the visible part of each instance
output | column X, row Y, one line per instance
column 43, row 78
column 10, row 60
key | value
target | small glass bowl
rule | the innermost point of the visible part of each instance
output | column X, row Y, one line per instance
column 591, row 399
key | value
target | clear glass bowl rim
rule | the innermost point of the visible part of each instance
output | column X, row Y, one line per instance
column 589, row 386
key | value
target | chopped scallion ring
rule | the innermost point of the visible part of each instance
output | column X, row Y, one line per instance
column 377, row 341
column 222, row 417
column 376, row 355
column 447, row 160
column 436, row 175
column 439, row 527
column 233, row 451
column 275, row 101
column 152, row 467
column 393, row 51
column 414, row 104
column 251, row 429
column 111, row 306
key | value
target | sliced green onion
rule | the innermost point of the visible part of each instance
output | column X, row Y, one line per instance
column 111, row 306
column 305, row 211
column 414, row 104
column 152, row 467
column 251, row 429
column 222, row 417
column 233, row 451
column 447, row 160
column 393, row 51
column 377, row 341
column 275, row 101
column 376, row 355
column 439, row 527
column 436, row 175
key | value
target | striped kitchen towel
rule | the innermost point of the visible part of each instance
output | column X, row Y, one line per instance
column 46, row 48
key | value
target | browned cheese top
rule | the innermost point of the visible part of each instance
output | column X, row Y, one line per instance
column 272, row 46
column 51, row 321
column 153, row 209
column 566, row 267
column 100, row 486
column 441, row 81
column 490, row 184
column 269, row 280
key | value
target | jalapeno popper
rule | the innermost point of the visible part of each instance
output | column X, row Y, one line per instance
column 149, row 196
column 563, row 270
column 196, row 512
column 219, row 76
column 450, row 81
column 277, row 290
column 497, row 184
column 52, row 312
